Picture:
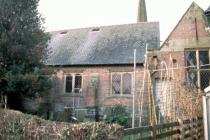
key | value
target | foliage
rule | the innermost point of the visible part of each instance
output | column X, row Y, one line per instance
column 23, row 46
column 209, row 20
column 10, row 124
column 81, row 115
column 19, row 126
column 30, row 84
column 118, row 114
column 65, row 116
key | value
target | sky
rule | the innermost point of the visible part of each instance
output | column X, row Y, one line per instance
column 69, row 14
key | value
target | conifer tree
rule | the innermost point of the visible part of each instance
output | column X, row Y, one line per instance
column 23, row 45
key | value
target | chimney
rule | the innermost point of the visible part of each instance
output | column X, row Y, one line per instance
column 142, row 11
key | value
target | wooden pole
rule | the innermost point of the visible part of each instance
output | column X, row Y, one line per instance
column 142, row 91
column 198, row 71
column 5, row 102
column 134, row 89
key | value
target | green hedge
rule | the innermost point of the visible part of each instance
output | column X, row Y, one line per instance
column 118, row 114
column 18, row 126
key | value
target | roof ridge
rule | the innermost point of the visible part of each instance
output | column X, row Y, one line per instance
column 102, row 26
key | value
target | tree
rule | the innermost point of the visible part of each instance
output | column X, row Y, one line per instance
column 23, row 45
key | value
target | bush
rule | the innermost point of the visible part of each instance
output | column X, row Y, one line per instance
column 118, row 114
column 19, row 126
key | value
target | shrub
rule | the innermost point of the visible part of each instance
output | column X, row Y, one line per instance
column 19, row 126
column 118, row 114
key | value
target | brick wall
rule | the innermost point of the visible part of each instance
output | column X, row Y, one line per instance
column 169, row 61
column 188, row 28
column 87, row 98
column 189, row 32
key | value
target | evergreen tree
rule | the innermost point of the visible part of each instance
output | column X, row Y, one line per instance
column 23, row 43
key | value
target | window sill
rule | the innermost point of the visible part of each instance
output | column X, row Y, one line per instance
column 72, row 94
column 120, row 96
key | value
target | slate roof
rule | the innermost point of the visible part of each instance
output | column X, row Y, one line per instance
column 106, row 45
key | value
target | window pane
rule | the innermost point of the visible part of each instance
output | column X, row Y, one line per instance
column 203, row 59
column 68, row 83
column 116, row 80
column 204, row 79
column 204, row 74
column 127, row 83
column 192, row 79
column 190, row 57
column 78, row 83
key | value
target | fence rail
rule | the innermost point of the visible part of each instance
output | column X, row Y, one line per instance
column 182, row 129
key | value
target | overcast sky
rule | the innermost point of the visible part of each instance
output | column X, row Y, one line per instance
column 68, row 14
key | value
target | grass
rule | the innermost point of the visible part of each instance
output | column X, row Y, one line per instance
column 136, row 136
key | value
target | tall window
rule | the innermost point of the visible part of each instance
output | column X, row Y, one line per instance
column 164, row 95
column 73, row 83
column 197, row 62
column 121, row 83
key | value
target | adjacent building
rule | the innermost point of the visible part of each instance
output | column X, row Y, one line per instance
column 183, row 66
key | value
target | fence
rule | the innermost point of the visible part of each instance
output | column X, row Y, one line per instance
column 182, row 129
column 3, row 101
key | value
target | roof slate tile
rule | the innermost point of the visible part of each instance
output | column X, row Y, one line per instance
column 106, row 45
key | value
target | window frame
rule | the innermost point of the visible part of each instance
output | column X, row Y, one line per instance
column 121, row 83
column 73, row 82
column 197, row 65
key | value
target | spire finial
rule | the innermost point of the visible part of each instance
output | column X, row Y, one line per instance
column 142, row 11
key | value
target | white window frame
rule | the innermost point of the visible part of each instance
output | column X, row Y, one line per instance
column 73, row 82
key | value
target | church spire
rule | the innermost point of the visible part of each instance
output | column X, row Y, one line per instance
column 142, row 11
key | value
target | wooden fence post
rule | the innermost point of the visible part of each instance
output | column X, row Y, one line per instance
column 181, row 129
column 196, row 132
column 192, row 130
column 200, row 128
column 154, row 132
column 5, row 101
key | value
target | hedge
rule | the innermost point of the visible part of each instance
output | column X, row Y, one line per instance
column 18, row 126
